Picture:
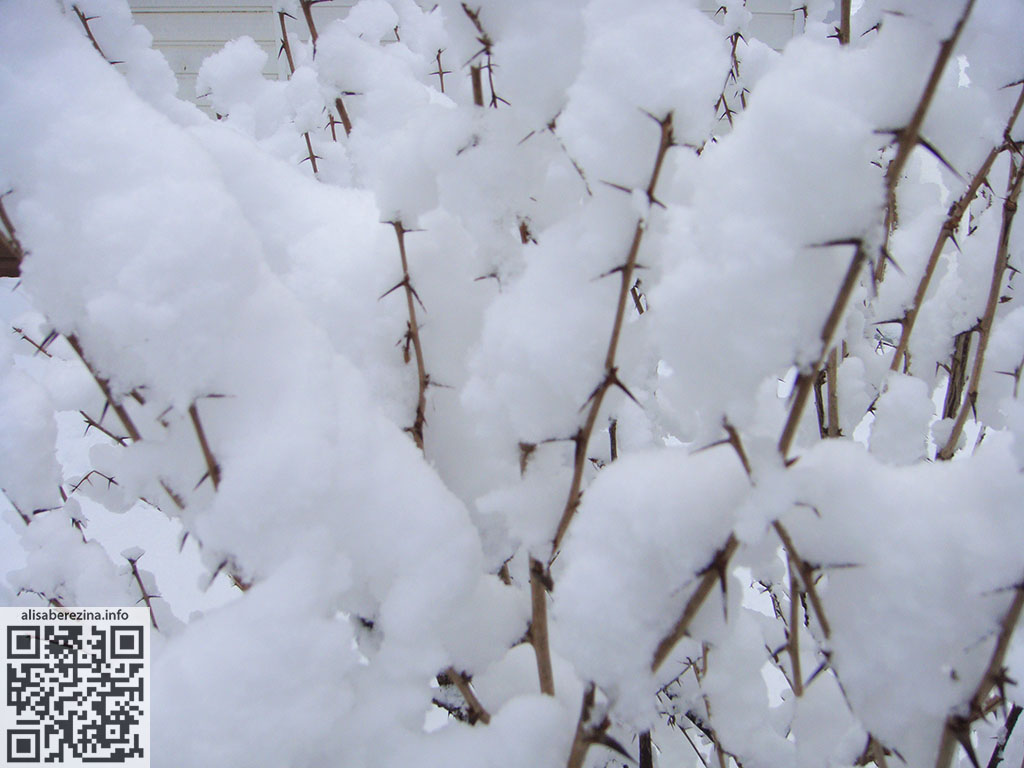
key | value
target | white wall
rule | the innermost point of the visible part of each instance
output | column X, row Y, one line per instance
column 187, row 31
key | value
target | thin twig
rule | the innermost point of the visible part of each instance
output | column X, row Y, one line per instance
column 806, row 576
column 956, row 213
column 85, row 23
column 476, row 709
column 11, row 252
column 285, row 45
column 212, row 468
column 104, row 386
column 794, row 629
column 713, row 572
column 994, row 675
column 580, row 742
column 146, row 597
column 805, row 379
column 611, row 372
column 413, row 337
column 1011, row 721
column 539, row 626
column 844, row 22
column 441, row 71
column 832, row 389
column 985, row 327
column 307, row 11
column 909, row 136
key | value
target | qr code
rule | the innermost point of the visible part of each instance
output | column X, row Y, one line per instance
column 76, row 691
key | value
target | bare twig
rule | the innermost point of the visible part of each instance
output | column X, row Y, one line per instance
column 11, row 252
column 995, row 674
column 715, row 571
column 412, row 336
column 908, row 138
column 146, row 597
column 626, row 272
column 832, row 388
column 985, row 326
column 646, row 753
column 307, row 11
column 441, row 71
column 285, row 45
column 90, row 422
column 956, row 213
column 539, row 626
column 104, row 386
column 957, row 374
column 806, row 576
column 476, row 709
column 797, row 682
column 844, row 22
column 1011, row 722
column 88, row 31
column 346, row 122
column 212, row 468
column 805, row 379
column 580, row 742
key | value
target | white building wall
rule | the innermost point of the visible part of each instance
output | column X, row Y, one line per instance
column 187, row 31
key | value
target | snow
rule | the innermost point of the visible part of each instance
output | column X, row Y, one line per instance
column 247, row 317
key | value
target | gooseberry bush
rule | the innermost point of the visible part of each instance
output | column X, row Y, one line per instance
column 568, row 383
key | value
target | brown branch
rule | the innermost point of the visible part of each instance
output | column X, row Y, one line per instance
column 212, row 468
column 993, row 676
column 580, row 742
column 91, row 422
column 343, row 114
column 713, row 572
column 797, row 682
column 441, row 71
column 985, row 327
column 844, row 22
column 309, row 150
column 909, row 136
column 646, row 753
column 285, row 45
column 476, row 709
column 806, row 576
column 478, row 85
column 805, row 379
column 539, row 626
column 142, row 589
column 626, row 272
column 413, row 337
column 85, row 23
column 956, row 213
column 957, row 374
column 104, row 386
column 11, row 252
column 307, row 11
column 832, row 387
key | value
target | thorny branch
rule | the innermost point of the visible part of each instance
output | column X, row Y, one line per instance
column 146, row 597
column 412, row 336
column 714, row 571
column 88, row 31
column 995, row 675
column 956, row 213
column 985, row 327
column 104, row 386
column 626, row 273
column 476, row 709
column 476, row 70
column 11, row 252
column 909, row 137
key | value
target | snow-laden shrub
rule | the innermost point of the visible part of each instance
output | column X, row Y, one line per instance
column 554, row 383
